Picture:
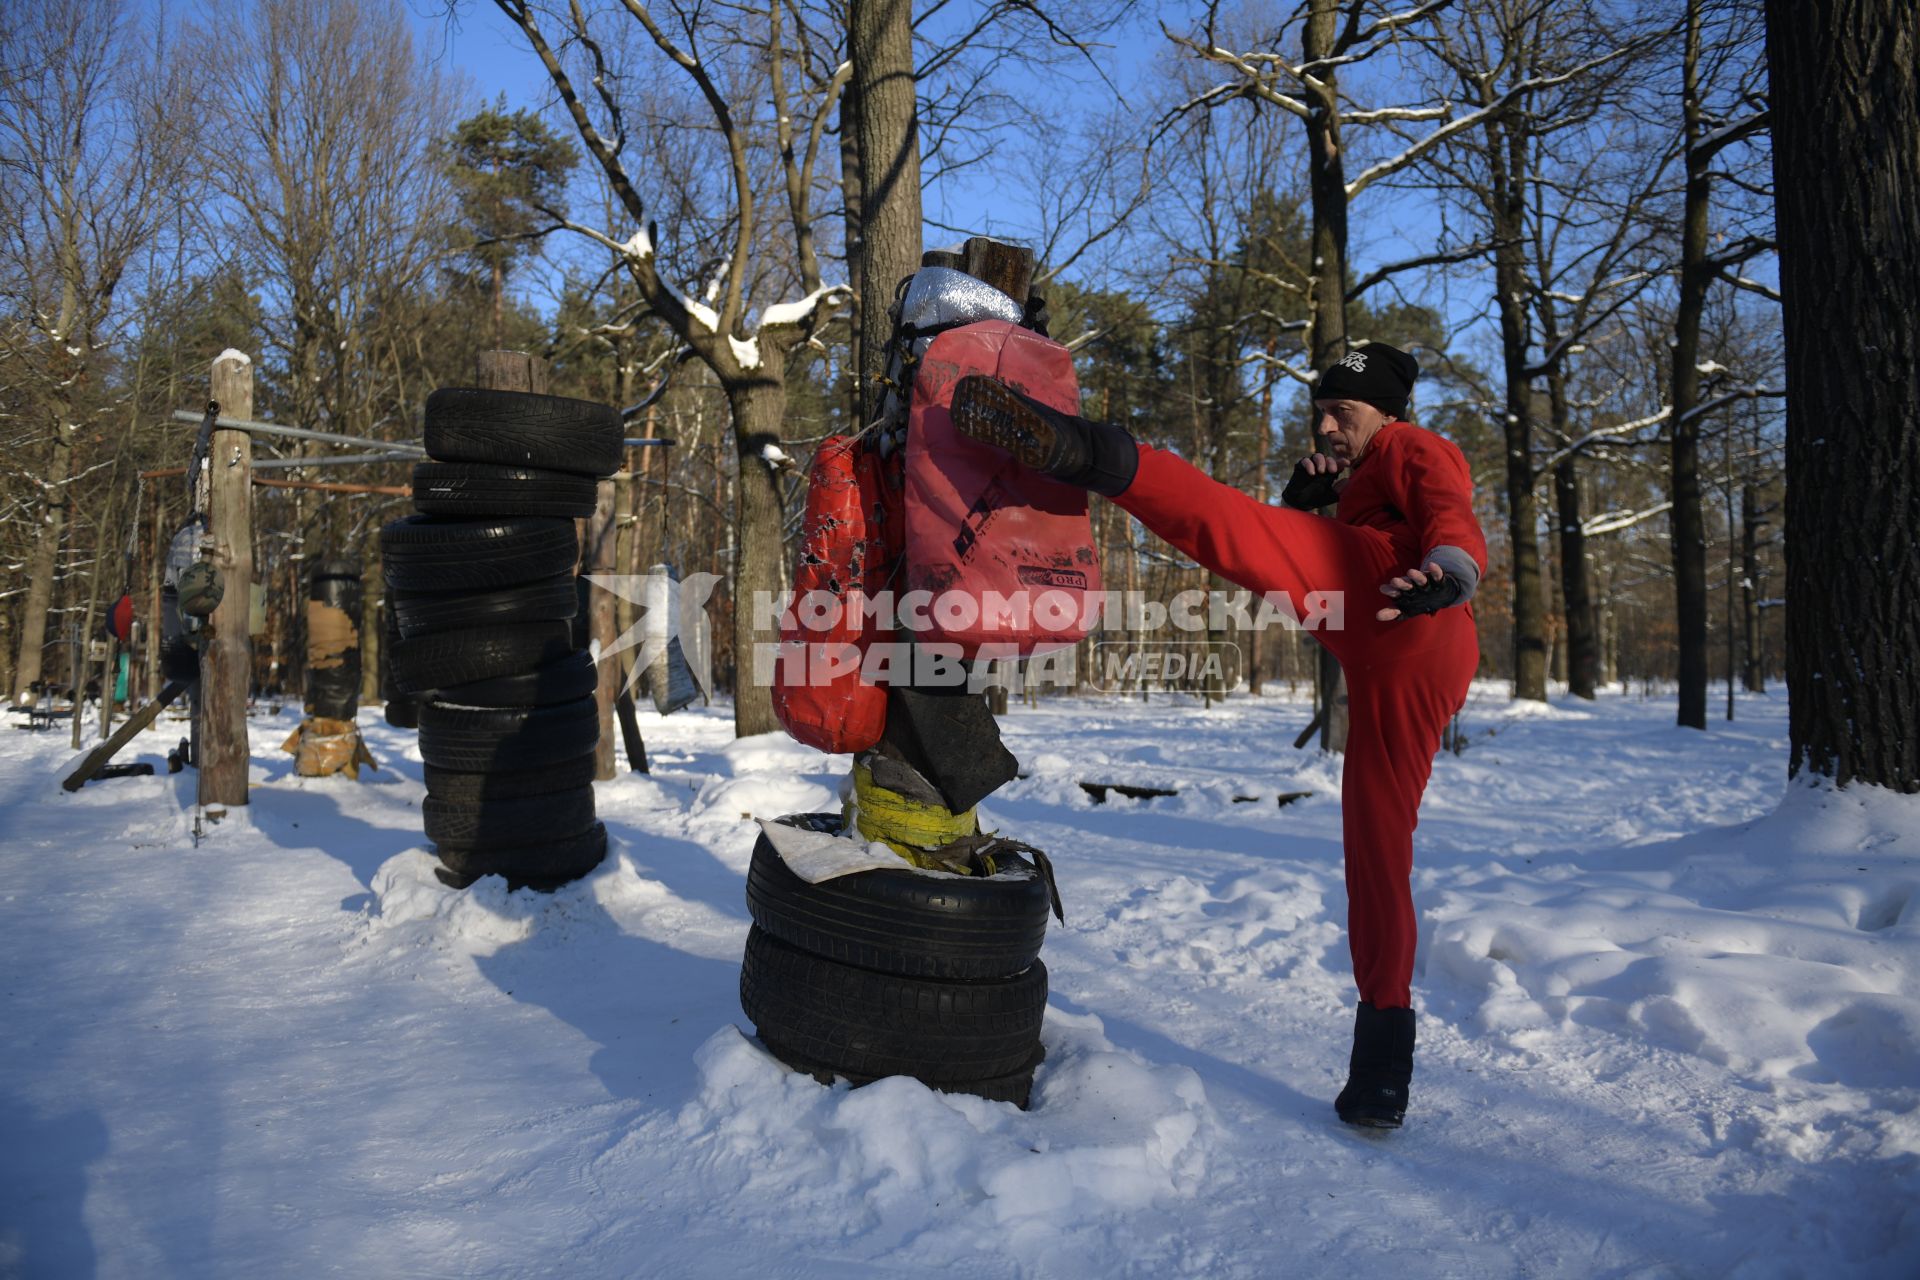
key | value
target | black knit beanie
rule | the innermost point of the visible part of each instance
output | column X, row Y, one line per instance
column 1374, row 372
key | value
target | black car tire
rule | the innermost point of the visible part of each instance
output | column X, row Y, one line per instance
column 573, row 676
column 544, row 867
column 521, row 429
column 473, row 490
column 425, row 553
column 906, row 921
column 474, row 787
column 448, row 658
column 495, row 824
column 863, row 1023
column 489, row 739
column 420, row 613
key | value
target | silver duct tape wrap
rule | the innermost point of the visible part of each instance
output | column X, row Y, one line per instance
column 937, row 296
column 940, row 295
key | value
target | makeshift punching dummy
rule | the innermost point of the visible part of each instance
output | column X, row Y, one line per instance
column 328, row 740
column 910, row 507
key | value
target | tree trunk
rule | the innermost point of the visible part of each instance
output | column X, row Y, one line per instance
column 758, row 408
column 46, row 546
column 855, row 233
column 1583, row 643
column 1686, row 522
column 372, row 631
column 1327, row 308
column 1846, row 156
column 1750, row 522
column 1507, row 164
column 880, row 43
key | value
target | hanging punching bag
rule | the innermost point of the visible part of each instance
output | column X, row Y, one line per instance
column 333, row 641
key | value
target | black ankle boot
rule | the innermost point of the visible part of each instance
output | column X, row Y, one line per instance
column 1092, row 455
column 1380, row 1070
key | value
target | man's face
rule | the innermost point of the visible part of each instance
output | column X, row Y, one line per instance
column 1347, row 427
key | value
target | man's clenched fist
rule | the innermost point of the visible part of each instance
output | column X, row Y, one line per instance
column 1312, row 483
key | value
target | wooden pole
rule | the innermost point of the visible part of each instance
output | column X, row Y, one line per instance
column 227, row 665
column 512, row 371
column 602, row 557
column 155, row 565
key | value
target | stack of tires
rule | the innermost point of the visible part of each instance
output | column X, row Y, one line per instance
column 898, row 972
column 482, row 589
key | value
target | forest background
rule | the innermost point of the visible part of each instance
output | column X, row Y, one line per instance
column 1565, row 210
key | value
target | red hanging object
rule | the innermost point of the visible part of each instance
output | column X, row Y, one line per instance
column 120, row 617
column 1005, row 553
column 819, row 692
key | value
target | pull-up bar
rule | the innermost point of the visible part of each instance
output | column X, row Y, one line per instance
column 402, row 451
column 299, row 433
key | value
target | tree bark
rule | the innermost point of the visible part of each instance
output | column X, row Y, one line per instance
column 1582, row 646
column 1750, row 523
column 46, row 548
column 226, row 667
column 1686, row 522
column 758, row 408
column 1507, row 194
column 880, row 43
column 1846, row 156
column 1327, row 308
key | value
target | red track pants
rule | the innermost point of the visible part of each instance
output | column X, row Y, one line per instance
column 1405, row 679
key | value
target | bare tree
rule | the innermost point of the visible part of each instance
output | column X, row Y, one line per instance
column 337, row 204
column 754, row 121
column 96, row 137
column 1529, row 71
column 1712, row 122
column 1309, row 90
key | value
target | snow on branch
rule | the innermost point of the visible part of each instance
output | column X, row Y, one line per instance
column 1766, row 291
column 1605, row 433
column 1253, row 84
column 1377, row 114
column 1302, row 376
column 1614, row 521
column 1727, row 135
column 827, row 298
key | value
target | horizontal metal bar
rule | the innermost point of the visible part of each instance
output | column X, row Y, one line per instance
column 333, row 460
column 299, row 433
column 643, row 443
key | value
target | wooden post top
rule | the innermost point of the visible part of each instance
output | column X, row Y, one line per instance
column 511, row 371
column 1007, row 267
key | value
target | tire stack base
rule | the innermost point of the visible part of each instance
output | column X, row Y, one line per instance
column 884, row 973
column 483, row 596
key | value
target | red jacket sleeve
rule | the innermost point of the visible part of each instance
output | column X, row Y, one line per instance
column 1431, row 483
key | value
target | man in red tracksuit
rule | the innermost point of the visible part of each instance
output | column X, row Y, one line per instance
column 1405, row 551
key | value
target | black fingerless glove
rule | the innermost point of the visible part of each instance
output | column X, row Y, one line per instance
column 1310, row 490
column 1431, row 597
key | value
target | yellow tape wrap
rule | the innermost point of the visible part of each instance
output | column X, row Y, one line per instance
column 908, row 827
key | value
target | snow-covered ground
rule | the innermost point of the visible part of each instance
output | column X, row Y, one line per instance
column 1670, row 1024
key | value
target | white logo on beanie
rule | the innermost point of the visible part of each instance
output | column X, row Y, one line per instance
column 1355, row 360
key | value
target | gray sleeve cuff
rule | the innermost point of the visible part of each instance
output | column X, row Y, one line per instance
column 1459, row 566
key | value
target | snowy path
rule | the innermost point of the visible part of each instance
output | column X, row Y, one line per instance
column 1666, row 1030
